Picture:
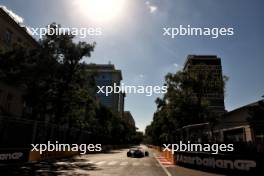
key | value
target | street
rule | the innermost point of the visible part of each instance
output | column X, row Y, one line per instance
column 104, row 164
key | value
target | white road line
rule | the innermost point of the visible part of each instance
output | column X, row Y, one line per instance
column 89, row 162
column 112, row 163
column 164, row 168
column 100, row 163
column 124, row 163
column 60, row 163
column 135, row 164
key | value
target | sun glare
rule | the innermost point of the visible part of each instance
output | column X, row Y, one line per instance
column 101, row 10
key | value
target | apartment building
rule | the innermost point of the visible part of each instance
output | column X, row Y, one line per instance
column 214, row 92
column 107, row 75
column 12, row 34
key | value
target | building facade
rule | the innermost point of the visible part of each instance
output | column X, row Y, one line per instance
column 12, row 34
column 241, row 125
column 107, row 75
column 129, row 119
column 214, row 92
column 244, row 124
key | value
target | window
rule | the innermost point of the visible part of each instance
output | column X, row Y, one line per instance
column 8, row 37
column 234, row 135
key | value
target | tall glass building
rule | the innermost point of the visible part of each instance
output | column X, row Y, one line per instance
column 107, row 75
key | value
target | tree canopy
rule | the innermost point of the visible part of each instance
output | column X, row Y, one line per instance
column 60, row 90
column 184, row 104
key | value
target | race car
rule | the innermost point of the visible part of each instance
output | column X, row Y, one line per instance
column 137, row 153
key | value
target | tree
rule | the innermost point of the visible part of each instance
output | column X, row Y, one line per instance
column 183, row 104
column 59, row 88
column 53, row 75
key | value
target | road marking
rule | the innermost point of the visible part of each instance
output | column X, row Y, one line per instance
column 164, row 161
column 123, row 163
column 165, row 170
column 112, row 163
column 60, row 163
column 135, row 164
column 100, row 163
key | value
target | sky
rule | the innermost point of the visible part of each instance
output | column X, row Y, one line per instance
column 133, row 41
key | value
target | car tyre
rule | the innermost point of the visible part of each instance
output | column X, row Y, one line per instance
column 146, row 153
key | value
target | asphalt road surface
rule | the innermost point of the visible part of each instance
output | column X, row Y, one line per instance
column 114, row 163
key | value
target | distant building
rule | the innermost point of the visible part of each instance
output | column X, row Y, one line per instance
column 241, row 125
column 211, row 63
column 107, row 75
column 129, row 119
column 12, row 35
column 121, row 104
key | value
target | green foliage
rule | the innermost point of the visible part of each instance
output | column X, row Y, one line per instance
column 59, row 88
column 138, row 137
column 183, row 104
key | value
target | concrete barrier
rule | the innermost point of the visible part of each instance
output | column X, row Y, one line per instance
column 36, row 156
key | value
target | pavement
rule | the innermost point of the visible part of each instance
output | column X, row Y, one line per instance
column 113, row 163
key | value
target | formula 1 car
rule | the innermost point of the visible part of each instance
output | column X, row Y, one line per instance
column 137, row 153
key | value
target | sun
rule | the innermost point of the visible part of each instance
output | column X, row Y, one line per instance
column 101, row 10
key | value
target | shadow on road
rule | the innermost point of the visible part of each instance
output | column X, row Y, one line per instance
column 113, row 151
column 69, row 166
